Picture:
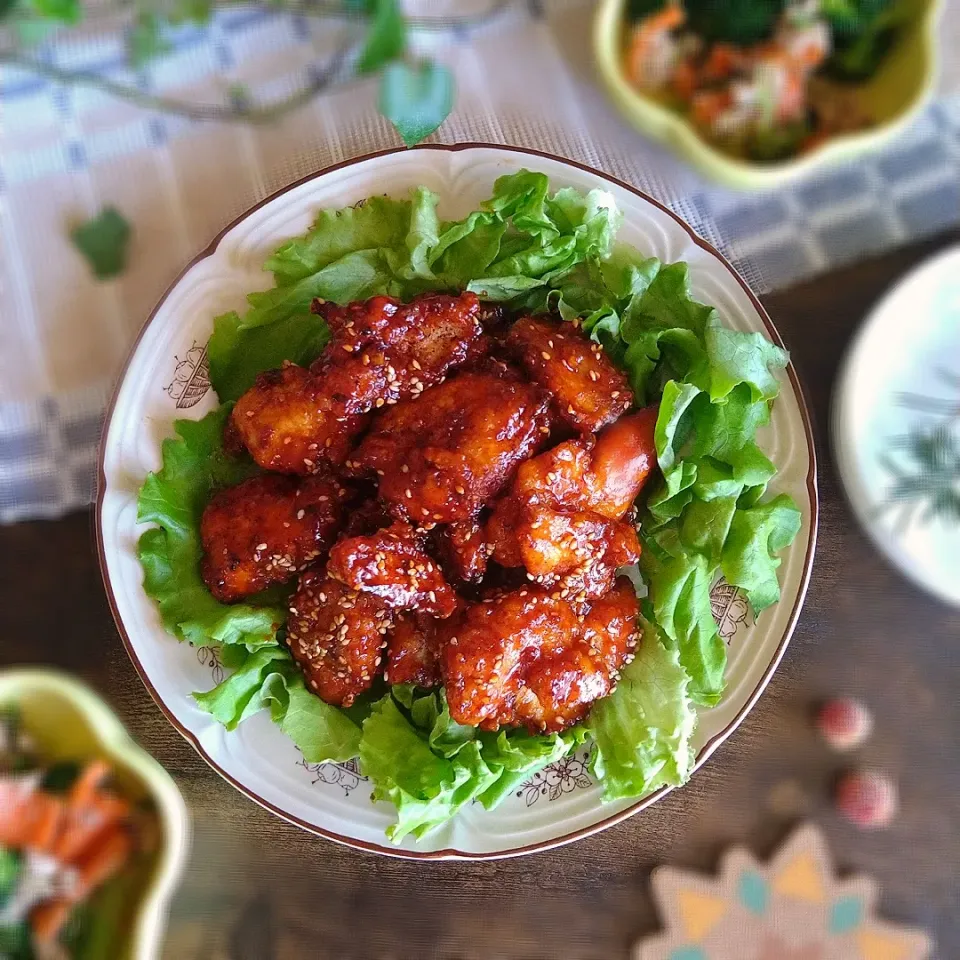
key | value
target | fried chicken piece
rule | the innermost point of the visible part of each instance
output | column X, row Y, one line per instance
column 265, row 530
column 587, row 389
column 530, row 658
column 441, row 457
column 365, row 515
column 392, row 565
column 562, row 520
column 579, row 550
column 413, row 651
column 463, row 550
column 382, row 351
column 290, row 422
column 337, row 636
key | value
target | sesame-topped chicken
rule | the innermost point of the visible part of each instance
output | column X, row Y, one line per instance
column 563, row 519
column 337, row 635
column 443, row 456
column 380, row 351
column 588, row 391
column 531, row 658
column 391, row 565
column 456, row 494
column 266, row 530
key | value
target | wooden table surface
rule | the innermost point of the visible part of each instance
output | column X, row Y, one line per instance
column 257, row 888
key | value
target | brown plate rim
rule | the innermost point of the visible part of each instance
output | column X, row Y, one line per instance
column 451, row 853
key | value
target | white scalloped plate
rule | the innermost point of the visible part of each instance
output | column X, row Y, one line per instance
column 901, row 377
column 166, row 378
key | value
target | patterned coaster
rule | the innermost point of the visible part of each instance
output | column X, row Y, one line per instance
column 793, row 908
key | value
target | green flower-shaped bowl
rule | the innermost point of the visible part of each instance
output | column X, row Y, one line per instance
column 67, row 721
column 892, row 97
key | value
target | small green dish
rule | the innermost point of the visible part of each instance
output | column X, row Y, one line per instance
column 67, row 721
column 893, row 96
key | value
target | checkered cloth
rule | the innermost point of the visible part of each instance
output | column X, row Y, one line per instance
column 524, row 77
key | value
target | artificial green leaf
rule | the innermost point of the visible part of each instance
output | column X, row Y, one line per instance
column 103, row 242
column 386, row 38
column 416, row 98
column 146, row 40
column 66, row 11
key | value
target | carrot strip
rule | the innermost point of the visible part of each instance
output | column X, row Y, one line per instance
column 83, row 826
column 102, row 862
column 86, row 786
column 47, row 919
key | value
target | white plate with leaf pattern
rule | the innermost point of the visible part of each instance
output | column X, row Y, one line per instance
column 166, row 379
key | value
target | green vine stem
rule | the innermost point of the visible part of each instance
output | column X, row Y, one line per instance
column 247, row 113
column 238, row 109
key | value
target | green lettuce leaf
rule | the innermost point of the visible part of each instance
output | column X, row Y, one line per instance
column 426, row 788
column 374, row 224
column 430, row 767
column 173, row 498
column 643, row 730
column 269, row 679
column 749, row 554
column 679, row 587
column 736, row 357
column 237, row 352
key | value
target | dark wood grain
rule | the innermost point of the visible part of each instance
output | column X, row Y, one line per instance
column 259, row 889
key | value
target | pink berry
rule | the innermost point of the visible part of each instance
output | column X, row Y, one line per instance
column 867, row 798
column 844, row 723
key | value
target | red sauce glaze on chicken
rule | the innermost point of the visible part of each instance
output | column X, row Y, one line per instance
column 337, row 635
column 563, row 519
column 531, row 658
column 380, row 351
column 442, row 457
column 457, row 496
column 588, row 391
column 392, row 565
column 266, row 530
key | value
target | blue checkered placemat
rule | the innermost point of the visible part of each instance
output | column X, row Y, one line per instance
column 65, row 150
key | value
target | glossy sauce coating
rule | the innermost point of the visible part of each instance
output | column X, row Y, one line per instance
column 531, row 658
column 380, row 351
column 442, row 457
column 266, row 530
column 337, row 635
column 588, row 390
column 562, row 520
column 413, row 648
column 464, row 550
column 465, row 555
column 391, row 564
column 290, row 423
